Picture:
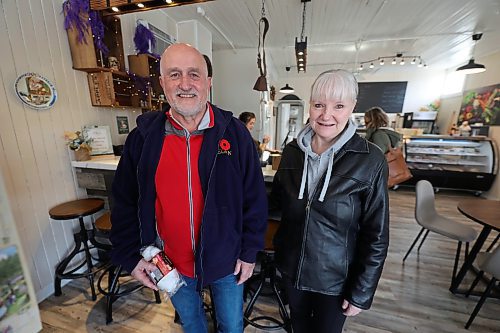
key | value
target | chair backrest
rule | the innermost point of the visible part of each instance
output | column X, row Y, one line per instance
column 425, row 210
column 492, row 264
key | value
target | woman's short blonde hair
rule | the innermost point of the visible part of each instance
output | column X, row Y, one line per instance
column 375, row 117
column 335, row 84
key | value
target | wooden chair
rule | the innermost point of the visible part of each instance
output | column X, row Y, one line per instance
column 115, row 288
column 78, row 209
column 489, row 262
column 430, row 220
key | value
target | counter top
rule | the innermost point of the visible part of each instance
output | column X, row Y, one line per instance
column 103, row 162
column 110, row 162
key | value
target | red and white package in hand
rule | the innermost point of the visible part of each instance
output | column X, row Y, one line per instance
column 166, row 277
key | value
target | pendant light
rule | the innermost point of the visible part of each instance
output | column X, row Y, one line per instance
column 287, row 89
column 471, row 67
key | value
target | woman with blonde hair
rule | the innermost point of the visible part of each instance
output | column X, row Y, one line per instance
column 331, row 190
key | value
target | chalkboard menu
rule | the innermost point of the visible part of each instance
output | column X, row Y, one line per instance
column 389, row 96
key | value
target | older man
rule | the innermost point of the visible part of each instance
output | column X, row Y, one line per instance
column 189, row 179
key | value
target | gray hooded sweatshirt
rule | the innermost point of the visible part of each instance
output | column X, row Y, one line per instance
column 315, row 165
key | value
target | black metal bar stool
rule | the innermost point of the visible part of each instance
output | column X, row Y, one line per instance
column 267, row 278
column 115, row 288
column 78, row 209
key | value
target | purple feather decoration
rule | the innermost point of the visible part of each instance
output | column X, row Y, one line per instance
column 72, row 10
column 98, row 31
column 143, row 36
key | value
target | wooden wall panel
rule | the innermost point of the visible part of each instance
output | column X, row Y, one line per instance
column 34, row 160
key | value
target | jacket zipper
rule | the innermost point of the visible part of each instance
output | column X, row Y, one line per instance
column 303, row 249
column 308, row 211
column 190, row 198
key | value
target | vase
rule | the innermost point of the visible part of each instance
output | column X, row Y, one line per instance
column 82, row 154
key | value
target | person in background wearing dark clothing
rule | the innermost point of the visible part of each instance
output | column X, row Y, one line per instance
column 189, row 182
column 376, row 121
column 331, row 190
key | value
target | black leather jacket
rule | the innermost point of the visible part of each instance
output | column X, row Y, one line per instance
column 338, row 246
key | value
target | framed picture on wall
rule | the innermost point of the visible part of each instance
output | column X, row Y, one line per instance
column 122, row 124
column 101, row 139
column 481, row 105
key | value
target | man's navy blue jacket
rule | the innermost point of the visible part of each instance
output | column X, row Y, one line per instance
column 235, row 209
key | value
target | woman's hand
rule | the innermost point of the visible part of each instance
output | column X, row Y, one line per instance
column 349, row 309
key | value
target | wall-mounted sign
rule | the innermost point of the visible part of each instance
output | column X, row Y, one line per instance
column 122, row 124
column 35, row 91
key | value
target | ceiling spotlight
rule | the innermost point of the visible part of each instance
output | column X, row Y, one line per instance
column 301, row 69
column 115, row 9
column 140, row 5
column 420, row 64
column 169, row 1
column 413, row 61
column 371, row 65
column 382, row 62
column 393, row 61
column 360, row 67
column 300, row 53
column 402, row 62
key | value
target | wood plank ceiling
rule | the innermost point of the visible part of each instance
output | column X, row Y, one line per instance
column 343, row 33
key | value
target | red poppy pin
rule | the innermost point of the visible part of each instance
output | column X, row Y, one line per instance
column 224, row 147
column 224, row 144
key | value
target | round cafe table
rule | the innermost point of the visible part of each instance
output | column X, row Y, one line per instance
column 485, row 212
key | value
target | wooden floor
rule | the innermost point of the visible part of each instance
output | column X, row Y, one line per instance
column 410, row 298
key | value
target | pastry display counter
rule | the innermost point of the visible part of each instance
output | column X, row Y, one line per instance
column 466, row 163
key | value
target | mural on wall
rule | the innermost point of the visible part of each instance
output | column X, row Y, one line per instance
column 481, row 105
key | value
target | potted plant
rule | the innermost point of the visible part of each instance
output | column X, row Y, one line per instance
column 79, row 143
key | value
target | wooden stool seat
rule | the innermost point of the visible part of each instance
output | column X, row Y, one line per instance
column 78, row 209
column 103, row 223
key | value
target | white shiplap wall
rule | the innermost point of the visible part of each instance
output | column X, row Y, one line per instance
column 34, row 160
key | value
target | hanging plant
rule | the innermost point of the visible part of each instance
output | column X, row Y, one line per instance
column 76, row 13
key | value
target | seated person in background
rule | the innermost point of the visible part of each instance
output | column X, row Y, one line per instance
column 376, row 121
column 249, row 119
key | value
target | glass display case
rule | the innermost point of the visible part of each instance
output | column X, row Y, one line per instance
column 466, row 163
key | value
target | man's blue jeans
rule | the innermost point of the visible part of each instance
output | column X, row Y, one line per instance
column 227, row 299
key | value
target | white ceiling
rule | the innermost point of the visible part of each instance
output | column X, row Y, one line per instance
column 440, row 31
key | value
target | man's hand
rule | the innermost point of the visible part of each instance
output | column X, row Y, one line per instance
column 349, row 309
column 244, row 269
column 141, row 271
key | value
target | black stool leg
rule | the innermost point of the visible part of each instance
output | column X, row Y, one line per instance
column 268, row 271
column 61, row 267
column 157, row 297
column 88, row 257
column 114, row 275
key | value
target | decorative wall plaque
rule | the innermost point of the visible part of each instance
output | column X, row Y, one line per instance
column 35, row 91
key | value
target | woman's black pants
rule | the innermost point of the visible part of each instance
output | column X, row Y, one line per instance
column 314, row 312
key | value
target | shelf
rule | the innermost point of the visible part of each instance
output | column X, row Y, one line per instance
column 438, row 143
column 433, row 161
column 440, row 152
